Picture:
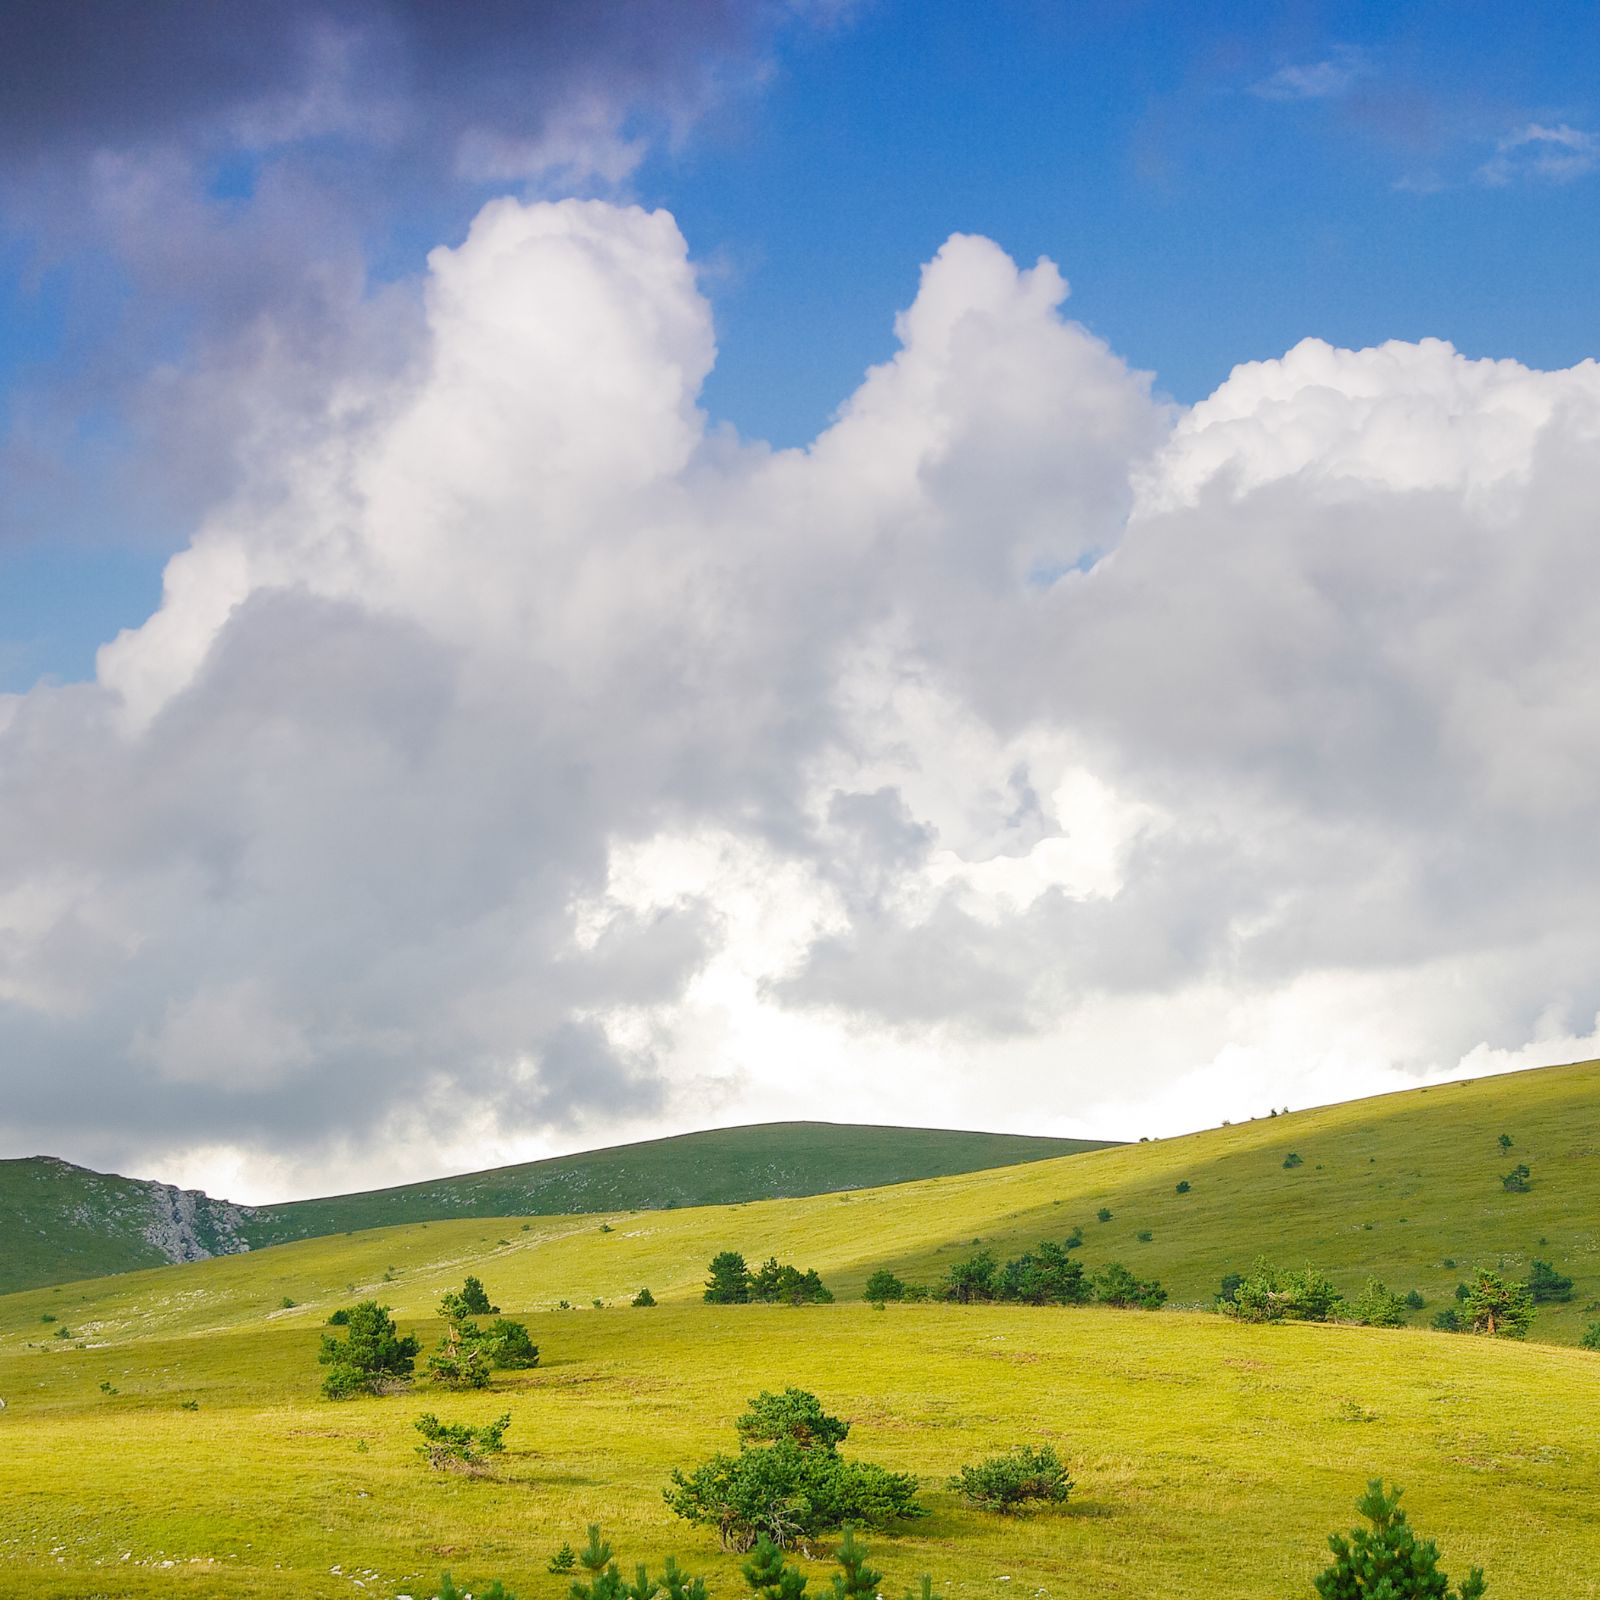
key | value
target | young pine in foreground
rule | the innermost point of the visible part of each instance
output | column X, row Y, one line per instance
column 1387, row 1561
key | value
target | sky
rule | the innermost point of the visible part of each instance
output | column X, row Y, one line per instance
column 576, row 570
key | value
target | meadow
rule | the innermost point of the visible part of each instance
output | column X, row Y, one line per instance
column 1208, row 1457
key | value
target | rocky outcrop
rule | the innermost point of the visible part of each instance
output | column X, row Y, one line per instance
column 188, row 1225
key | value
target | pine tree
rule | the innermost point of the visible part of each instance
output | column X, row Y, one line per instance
column 1501, row 1310
column 858, row 1581
column 770, row 1576
column 1388, row 1561
column 729, row 1283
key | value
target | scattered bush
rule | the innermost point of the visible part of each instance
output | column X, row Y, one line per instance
column 287, row 1303
column 339, row 1318
column 1104, row 1214
column 1414, row 1300
column 1448, row 1320
column 1546, row 1285
column 1449, row 1263
column 787, row 1489
column 458, row 1447
column 564, row 1560
column 1270, row 1294
column 1377, row 1307
column 1498, row 1309
column 47, row 1316
column 883, row 1286
column 1388, row 1559
column 1183, row 1186
column 1114, row 1285
column 1463, row 1291
column 63, row 1332
column 372, row 1357
column 1519, row 1180
column 1006, row 1482
column 1230, row 1287
column 1144, row 1236
column 1591, row 1338
column 644, row 1298
column 1505, row 1141
column 1292, row 1160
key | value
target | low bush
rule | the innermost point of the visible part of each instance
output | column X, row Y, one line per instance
column 644, row 1298
column 457, row 1446
column 1104, row 1214
column 1448, row 1320
column 1115, row 1285
column 1271, row 1294
column 1292, row 1160
column 1519, row 1180
column 1376, row 1307
column 884, row 1286
column 1008, row 1482
column 1591, row 1337
column 1546, row 1285
column 1183, row 1186
column 1414, row 1300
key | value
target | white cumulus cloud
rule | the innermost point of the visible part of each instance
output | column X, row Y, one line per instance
column 515, row 762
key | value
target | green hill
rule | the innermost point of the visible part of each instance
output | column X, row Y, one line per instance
column 62, row 1222
column 1208, row 1457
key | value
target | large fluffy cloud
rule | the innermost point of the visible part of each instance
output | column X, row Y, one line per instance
column 513, row 762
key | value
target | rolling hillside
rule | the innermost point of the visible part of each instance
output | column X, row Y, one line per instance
column 1209, row 1458
column 61, row 1222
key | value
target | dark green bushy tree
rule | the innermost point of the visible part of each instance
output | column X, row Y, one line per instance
column 1519, row 1180
column 972, row 1279
column 883, row 1286
column 1046, row 1276
column 510, row 1345
column 644, row 1298
column 1376, row 1307
column 1591, row 1337
column 1501, row 1310
column 789, row 1489
column 1007, row 1482
column 775, row 1282
column 1387, row 1561
column 1115, row 1285
column 1272, row 1294
column 371, row 1357
column 729, row 1283
column 795, row 1414
column 1546, row 1285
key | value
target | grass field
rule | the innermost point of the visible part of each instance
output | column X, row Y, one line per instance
column 61, row 1221
column 1210, row 1458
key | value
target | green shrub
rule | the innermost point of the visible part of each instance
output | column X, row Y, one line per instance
column 287, row 1303
column 371, row 1358
column 461, row 1358
column 1271, row 1294
column 918, row 1292
column 1115, row 1285
column 729, row 1283
column 1103, row 1214
column 1414, row 1300
column 1591, row 1337
column 883, row 1286
column 789, row 1490
column 564, row 1559
column 1183, row 1186
column 1376, row 1307
column 1448, row 1320
column 972, row 1279
column 339, row 1318
column 1387, row 1561
column 469, row 1301
column 1546, row 1285
column 1505, row 1141
column 1496, row 1308
column 1292, row 1160
column 776, row 1283
column 494, row 1589
column 1230, row 1287
column 797, row 1415
column 644, row 1298
column 1519, row 1180
column 1144, row 1236
column 457, row 1446
column 1046, row 1276
column 1006, row 1482
column 509, row 1344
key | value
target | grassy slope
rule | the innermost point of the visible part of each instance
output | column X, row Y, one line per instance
column 1209, row 1458
column 61, row 1222
column 717, row 1167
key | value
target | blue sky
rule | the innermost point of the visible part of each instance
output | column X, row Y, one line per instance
column 1216, row 182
